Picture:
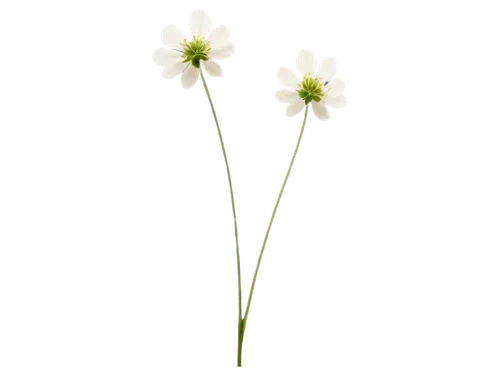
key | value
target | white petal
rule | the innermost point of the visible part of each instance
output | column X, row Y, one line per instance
column 335, row 101
column 222, row 52
column 174, row 70
column 199, row 23
column 306, row 62
column 320, row 111
column 166, row 57
column 327, row 69
column 288, row 78
column 189, row 76
column 295, row 107
column 219, row 37
column 212, row 68
column 172, row 37
column 335, row 87
column 286, row 96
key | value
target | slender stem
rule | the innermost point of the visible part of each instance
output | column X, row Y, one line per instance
column 231, row 195
column 273, row 217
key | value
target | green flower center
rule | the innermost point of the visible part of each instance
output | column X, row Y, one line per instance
column 311, row 88
column 195, row 50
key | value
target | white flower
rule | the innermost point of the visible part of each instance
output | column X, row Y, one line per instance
column 315, row 88
column 185, row 55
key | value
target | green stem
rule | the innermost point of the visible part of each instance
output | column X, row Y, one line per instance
column 273, row 217
column 231, row 195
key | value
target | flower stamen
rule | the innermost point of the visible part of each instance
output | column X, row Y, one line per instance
column 311, row 88
column 195, row 50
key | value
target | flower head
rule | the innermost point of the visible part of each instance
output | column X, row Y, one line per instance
column 313, row 87
column 187, row 55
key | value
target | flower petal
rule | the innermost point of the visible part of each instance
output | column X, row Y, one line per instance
column 335, row 87
column 335, row 101
column 189, row 76
column 295, row 107
column 174, row 70
column 166, row 57
column 199, row 23
column 320, row 111
column 222, row 52
column 286, row 96
column 212, row 68
column 306, row 62
column 172, row 37
column 288, row 78
column 219, row 37
column 327, row 69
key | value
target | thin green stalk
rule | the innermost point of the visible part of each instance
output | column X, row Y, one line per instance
column 273, row 217
column 231, row 194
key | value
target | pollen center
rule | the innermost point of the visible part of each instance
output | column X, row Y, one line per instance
column 311, row 88
column 195, row 50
